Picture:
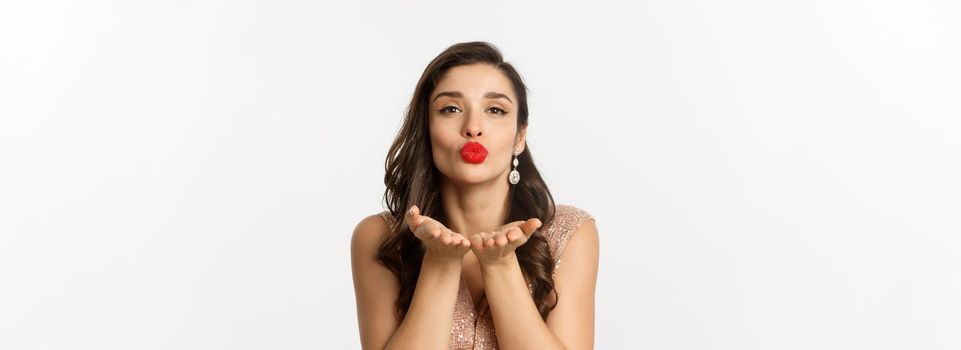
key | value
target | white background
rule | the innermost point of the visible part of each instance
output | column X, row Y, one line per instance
column 764, row 174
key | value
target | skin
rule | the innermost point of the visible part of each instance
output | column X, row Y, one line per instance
column 473, row 103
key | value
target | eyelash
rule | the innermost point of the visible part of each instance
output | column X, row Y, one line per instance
column 445, row 109
column 498, row 111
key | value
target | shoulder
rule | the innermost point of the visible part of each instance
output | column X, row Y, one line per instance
column 575, row 279
column 570, row 222
column 572, row 211
column 370, row 232
column 375, row 285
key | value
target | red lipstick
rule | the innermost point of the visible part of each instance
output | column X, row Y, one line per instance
column 473, row 152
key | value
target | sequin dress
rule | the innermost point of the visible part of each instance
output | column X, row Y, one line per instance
column 475, row 329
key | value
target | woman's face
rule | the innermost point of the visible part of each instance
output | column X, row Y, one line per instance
column 474, row 103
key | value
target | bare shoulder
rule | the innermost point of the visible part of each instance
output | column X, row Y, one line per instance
column 369, row 233
column 572, row 319
column 375, row 286
column 585, row 236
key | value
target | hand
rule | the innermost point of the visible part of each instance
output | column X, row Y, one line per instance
column 494, row 247
column 437, row 239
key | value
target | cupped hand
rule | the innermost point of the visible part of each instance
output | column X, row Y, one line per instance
column 496, row 246
column 437, row 238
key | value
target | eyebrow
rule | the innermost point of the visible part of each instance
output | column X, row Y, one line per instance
column 492, row 94
column 457, row 94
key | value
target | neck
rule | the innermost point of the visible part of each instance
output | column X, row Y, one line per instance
column 475, row 208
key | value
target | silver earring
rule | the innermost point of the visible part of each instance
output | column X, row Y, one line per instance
column 515, row 176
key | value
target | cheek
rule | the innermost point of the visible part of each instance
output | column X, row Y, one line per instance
column 506, row 137
column 442, row 135
column 442, row 143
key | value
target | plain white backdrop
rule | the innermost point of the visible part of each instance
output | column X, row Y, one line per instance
column 764, row 174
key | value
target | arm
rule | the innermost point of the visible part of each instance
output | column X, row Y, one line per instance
column 428, row 321
column 431, row 314
column 572, row 320
column 375, row 287
column 571, row 324
column 518, row 324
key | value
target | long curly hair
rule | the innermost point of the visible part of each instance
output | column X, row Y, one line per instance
column 412, row 178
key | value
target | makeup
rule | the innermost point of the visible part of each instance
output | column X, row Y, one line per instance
column 473, row 152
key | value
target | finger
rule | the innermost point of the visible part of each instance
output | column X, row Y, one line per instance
column 530, row 226
column 413, row 217
column 514, row 234
column 427, row 231
column 462, row 241
column 500, row 239
column 422, row 233
column 489, row 240
column 477, row 242
column 434, row 231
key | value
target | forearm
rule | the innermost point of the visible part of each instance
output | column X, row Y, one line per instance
column 428, row 321
column 518, row 324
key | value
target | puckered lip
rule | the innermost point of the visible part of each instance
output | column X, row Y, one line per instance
column 473, row 152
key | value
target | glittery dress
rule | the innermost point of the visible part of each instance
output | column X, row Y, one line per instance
column 471, row 330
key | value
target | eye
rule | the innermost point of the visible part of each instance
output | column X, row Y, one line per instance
column 449, row 109
column 496, row 110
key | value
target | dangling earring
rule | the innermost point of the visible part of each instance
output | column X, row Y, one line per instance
column 514, row 176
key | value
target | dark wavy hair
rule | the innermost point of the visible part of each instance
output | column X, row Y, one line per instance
column 412, row 178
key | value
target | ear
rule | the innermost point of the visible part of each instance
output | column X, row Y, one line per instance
column 521, row 138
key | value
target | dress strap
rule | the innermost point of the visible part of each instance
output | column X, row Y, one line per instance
column 567, row 219
column 387, row 217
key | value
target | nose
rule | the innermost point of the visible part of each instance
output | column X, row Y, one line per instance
column 473, row 127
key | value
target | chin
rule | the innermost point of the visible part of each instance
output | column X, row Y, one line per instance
column 471, row 178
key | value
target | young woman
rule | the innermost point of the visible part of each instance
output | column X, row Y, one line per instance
column 472, row 241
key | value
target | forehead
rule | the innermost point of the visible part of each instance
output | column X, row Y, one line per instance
column 474, row 80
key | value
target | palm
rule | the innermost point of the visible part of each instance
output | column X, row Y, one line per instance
column 501, row 243
column 437, row 238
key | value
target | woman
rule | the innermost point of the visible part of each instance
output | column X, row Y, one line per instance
column 472, row 240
